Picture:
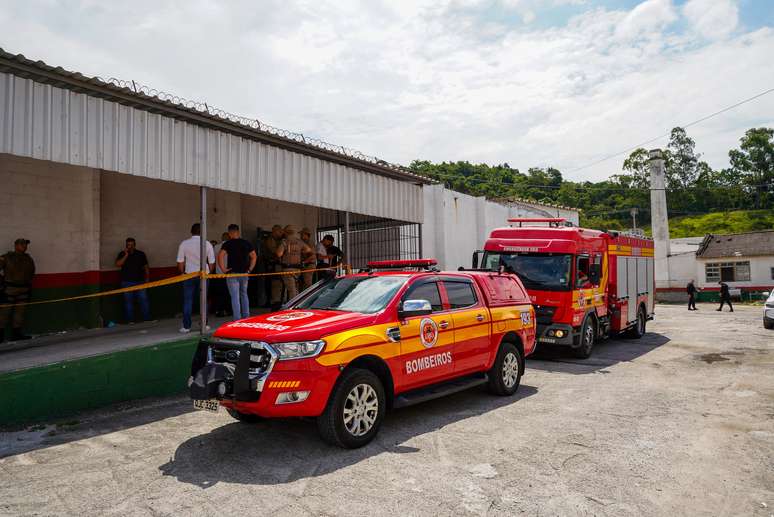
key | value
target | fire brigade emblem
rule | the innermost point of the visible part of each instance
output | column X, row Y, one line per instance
column 428, row 332
column 289, row 316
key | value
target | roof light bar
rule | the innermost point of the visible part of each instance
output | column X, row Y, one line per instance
column 402, row 264
column 552, row 221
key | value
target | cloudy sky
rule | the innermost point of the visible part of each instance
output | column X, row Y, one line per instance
column 527, row 82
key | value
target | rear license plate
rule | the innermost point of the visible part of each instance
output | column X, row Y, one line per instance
column 207, row 405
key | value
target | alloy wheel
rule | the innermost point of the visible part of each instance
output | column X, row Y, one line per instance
column 361, row 409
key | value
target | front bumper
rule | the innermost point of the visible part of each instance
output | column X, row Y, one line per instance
column 251, row 380
column 545, row 330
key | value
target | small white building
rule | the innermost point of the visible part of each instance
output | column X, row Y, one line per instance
column 745, row 261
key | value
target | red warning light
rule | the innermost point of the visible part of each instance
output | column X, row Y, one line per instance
column 400, row 264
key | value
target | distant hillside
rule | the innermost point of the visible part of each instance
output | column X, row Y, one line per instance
column 738, row 221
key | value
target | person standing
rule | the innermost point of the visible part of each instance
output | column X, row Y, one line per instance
column 291, row 252
column 134, row 271
column 271, row 260
column 323, row 257
column 691, row 290
column 238, row 256
column 218, row 285
column 309, row 262
column 18, row 269
column 189, row 261
column 725, row 296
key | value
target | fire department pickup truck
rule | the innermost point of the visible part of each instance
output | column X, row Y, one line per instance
column 348, row 349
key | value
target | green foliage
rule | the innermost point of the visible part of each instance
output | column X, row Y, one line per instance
column 721, row 222
column 693, row 187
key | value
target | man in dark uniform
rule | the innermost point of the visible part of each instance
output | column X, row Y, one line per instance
column 134, row 271
column 18, row 269
column 725, row 297
column 691, row 290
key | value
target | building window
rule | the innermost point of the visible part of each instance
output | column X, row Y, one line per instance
column 728, row 272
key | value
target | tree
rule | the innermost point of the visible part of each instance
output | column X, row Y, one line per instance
column 754, row 162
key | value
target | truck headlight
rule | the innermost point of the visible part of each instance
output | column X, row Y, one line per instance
column 298, row 349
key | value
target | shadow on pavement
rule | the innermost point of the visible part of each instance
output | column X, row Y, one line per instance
column 605, row 354
column 282, row 451
column 87, row 424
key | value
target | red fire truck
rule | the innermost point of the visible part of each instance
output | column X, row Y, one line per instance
column 585, row 284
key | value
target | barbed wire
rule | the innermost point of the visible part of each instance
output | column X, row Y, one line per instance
column 252, row 123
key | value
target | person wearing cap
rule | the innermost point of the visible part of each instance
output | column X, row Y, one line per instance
column 309, row 262
column 17, row 268
column 272, row 263
column 292, row 252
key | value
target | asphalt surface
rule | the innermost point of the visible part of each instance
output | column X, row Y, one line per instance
column 680, row 422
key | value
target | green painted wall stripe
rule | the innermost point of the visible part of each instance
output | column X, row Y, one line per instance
column 57, row 390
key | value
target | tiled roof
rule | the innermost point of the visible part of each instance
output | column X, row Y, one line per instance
column 142, row 97
column 752, row 244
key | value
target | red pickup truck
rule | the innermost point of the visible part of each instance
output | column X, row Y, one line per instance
column 350, row 348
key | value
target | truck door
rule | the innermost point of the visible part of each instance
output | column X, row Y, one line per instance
column 427, row 342
column 472, row 325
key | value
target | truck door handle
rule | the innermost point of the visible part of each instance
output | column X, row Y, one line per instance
column 443, row 324
column 480, row 317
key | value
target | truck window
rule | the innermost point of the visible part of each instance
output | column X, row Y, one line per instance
column 460, row 294
column 582, row 272
column 426, row 291
column 366, row 294
column 546, row 272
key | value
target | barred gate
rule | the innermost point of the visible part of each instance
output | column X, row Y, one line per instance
column 371, row 238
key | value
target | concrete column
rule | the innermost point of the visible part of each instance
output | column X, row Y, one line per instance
column 659, row 218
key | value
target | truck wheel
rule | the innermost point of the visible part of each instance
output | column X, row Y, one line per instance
column 247, row 418
column 505, row 374
column 638, row 330
column 768, row 323
column 586, row 339
column 355, row 410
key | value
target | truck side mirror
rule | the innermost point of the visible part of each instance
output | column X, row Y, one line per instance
column 414, row 308
column 595, row 273
column 476, row 255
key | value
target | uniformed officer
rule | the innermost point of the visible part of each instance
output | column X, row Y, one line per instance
column 272, row 262
column 18, row 269
column 309, row 262
column 292, row 252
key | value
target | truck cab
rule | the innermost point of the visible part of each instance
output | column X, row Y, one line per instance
column 577, row 278
column 351, row 347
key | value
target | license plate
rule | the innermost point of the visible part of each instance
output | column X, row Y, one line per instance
column 207, row 405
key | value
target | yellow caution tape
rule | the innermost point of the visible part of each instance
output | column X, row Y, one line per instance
column 169, row 281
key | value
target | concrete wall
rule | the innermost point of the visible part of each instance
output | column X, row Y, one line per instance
column 159, row 214
column 455, row 224
column 760, row 271
column 265, row 213
column 54, row 206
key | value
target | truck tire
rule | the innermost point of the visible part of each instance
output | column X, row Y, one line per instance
column 247, row 418
column 586, row 339
column 638, row 330
column 768, row 323
column 505, row 374
column 355, row 410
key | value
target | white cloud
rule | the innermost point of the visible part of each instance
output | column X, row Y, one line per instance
column 713, row 19
column 430, row 79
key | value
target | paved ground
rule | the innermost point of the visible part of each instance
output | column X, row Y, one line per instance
column 678, row 423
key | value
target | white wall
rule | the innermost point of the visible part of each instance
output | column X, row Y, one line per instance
column 760, row 271
column 56, row 207
column 455, row 224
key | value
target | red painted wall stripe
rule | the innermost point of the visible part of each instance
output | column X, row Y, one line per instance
column 84, row 278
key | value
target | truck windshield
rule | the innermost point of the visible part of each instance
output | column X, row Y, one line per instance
column 536, row 271
column 366, row 294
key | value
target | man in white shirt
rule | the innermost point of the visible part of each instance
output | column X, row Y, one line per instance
column 188, row 261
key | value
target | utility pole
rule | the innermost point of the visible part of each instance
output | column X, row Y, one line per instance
column 633, row 213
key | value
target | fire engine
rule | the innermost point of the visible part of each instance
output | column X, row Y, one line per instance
column 349, row 348
column 585, row 284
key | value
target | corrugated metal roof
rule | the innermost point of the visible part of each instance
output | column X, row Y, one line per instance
column 47, row 122
column 147, row 99
column 752, row 244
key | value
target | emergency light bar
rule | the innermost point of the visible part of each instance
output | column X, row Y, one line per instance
column 552, row 221
column 402, row 264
